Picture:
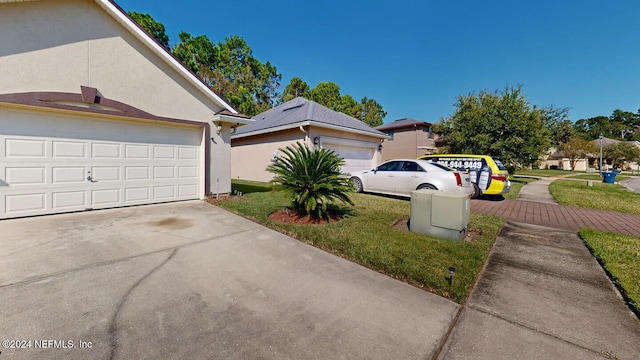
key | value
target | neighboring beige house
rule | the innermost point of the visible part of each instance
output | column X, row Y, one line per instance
column 254, row 146
column 556, row 159
column 94, row 113
column 408, row 139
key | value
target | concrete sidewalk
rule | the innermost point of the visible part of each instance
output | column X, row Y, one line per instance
column 542, row 295
column 537, row 191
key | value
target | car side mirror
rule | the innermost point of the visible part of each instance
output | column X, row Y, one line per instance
column 375, row 170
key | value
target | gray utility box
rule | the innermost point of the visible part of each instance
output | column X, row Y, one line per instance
column 440, row 214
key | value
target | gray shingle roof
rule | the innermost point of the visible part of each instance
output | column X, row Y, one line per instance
column 605, row 141
column 402, row 123
column 299, row 111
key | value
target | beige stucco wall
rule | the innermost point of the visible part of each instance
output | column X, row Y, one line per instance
column 250, row 156
column 565, row 164
column 405, row 144
column 60, row 45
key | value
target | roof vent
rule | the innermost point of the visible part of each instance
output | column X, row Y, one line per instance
column 293, row 107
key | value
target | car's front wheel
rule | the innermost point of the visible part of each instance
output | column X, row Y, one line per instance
column 357, row 184
column 427, row 187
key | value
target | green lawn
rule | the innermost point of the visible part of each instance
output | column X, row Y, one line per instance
column 246, row 186
column 600, row 196
column 367, row 237
column 597, row 177
column 620, row 256
column 545, row 172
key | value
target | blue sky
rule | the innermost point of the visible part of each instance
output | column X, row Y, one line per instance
column 416, row 57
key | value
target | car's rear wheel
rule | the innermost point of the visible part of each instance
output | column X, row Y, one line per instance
column 357, row 184
column 476, row 192
column 427, row 187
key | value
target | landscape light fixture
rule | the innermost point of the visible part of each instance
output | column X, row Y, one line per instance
column 452, row 271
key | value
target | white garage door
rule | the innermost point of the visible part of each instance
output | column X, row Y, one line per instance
column 357, row 155
column 52, row 163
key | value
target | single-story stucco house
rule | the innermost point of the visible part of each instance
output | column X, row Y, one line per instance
column 94, row 113
column 557, row 159
column 300, row 120
column 408, row 139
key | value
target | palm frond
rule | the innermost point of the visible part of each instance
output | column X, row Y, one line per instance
column 312, row 177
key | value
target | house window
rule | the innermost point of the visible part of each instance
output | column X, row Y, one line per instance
column 430, row 133
column 390, row 133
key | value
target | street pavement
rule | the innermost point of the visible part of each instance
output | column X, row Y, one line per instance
column 632, row 183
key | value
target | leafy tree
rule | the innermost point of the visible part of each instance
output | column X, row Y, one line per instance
column 591, row 128
column 271, row 80
column 501, row 124
column 231, row 70
column 622, row 125
column 296, row 88
column 561, row 129
column 327, row 94
column 367, row 110
column 197, row 53
column 621, row 152
column 153, row 27
column 312, row 177
column 576, row 149
column 348, row 105
column 371, row 113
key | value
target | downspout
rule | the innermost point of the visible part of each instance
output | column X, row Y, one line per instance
column 306, row 135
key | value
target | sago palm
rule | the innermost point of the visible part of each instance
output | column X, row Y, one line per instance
column 312, row 177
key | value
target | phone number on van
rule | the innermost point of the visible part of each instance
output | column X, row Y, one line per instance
column 457, row 164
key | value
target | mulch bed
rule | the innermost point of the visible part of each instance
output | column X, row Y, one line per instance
column 214, row 201
column 287, row 216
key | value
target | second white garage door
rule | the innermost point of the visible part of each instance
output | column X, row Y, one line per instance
column 357, row 155
column 60, row 163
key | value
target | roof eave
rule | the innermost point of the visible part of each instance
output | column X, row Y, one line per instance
column 350, row 130
column 305, row 123
column 219, row 118
column 270, row 130
column 401, row 127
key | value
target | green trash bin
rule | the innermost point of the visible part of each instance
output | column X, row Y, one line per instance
column 609, row 177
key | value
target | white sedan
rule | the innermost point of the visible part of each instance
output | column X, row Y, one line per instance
column 402, row 176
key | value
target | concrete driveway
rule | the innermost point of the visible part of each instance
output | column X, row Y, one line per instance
column 189, row 280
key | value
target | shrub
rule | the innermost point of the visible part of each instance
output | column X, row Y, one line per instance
column 312, row 177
